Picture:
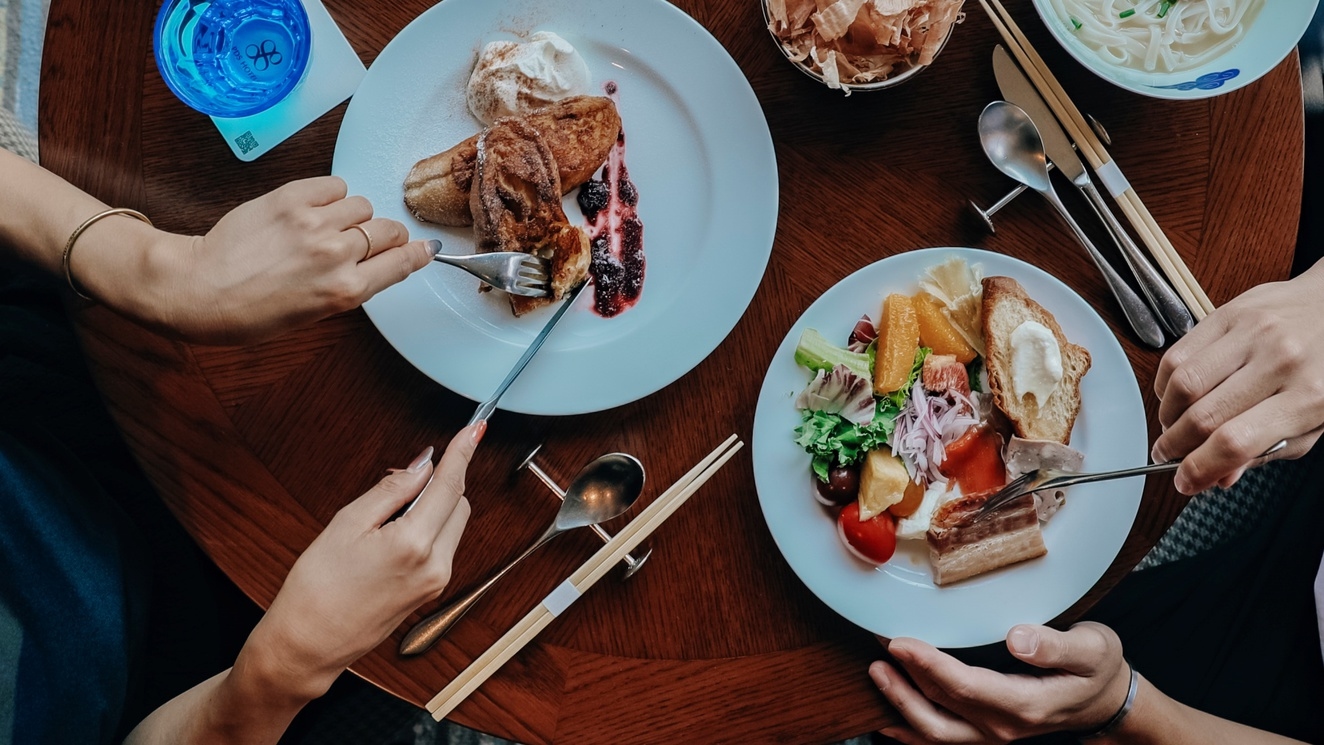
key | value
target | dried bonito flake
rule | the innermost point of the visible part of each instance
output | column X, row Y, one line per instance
column 861, row 41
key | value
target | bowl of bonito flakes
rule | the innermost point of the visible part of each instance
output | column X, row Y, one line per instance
column 861, row 45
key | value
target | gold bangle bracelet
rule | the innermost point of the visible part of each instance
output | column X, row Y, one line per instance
column 73, row 238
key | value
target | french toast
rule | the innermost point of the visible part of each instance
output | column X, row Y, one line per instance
column 579, row 130
column 516, row 203
column 1005, row 307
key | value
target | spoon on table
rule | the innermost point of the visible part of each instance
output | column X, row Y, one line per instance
column 604, row 489
column 1012, row 143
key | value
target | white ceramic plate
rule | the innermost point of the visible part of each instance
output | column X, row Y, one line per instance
column 1270, row 37
column 899, row 598
column 697, row 146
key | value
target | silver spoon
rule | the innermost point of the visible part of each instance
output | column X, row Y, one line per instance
column 604, row 489
column 1012, row 143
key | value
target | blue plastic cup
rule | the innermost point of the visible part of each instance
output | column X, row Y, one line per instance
column 232, row 58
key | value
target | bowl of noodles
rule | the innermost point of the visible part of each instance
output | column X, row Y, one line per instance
column 1178, row 49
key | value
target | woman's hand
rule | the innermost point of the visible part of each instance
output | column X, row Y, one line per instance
column 1084, row 683
column 1249, row 375
column 362, row 576
column 285, row 259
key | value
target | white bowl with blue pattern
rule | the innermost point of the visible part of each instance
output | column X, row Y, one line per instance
column 1271, row 36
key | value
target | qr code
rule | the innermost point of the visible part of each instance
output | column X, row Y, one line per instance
column 246, row 142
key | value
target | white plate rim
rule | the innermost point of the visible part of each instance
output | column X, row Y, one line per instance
column 577, row 372
column 868, row 597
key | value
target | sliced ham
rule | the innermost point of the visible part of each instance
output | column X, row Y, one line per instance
column 1022, row 456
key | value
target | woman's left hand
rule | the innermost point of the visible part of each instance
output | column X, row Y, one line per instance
column 1083, row 684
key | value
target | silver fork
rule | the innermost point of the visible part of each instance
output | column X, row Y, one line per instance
column 1043, row 479
column 514, row 272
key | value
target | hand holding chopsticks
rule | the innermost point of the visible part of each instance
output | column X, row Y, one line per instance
column 583, row 578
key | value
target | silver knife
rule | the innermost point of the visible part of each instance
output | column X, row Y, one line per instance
column 1017, row 89
column 486, row 408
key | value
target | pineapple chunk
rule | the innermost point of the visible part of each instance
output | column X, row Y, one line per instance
column 883, row 482
column 937, row 333
column 898, row 340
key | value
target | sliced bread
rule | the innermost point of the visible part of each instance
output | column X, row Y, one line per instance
column 1005, row 307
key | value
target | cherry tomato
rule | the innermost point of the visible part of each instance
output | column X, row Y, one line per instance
column 842, row 486
column 873, row 540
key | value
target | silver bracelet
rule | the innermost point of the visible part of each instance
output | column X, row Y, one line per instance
column 1117, row 718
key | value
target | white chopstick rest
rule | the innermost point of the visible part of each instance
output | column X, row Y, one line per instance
column 559, row 599
column 1112, row 178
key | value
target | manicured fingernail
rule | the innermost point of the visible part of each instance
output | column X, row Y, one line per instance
column 421, row 461
column 479, row 429
column 1157, row 455
column 434, row 247
column 1023, row 641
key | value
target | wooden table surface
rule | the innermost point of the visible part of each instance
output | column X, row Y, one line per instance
column 716, row 640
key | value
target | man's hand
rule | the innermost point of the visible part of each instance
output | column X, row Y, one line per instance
column 1249, row 375
column 1083, row 684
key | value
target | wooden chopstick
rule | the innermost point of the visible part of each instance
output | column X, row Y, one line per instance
column 1165, row 254
column 583, row 578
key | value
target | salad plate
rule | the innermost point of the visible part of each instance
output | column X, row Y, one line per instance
column 696, row 144
column 899, row 598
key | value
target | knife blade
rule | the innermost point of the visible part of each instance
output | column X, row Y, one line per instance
column 1018, row 89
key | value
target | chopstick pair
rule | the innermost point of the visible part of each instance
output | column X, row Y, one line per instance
column 1089, row 144
column 583, row 578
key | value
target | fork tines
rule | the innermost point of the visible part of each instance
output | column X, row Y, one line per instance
column 535, row 275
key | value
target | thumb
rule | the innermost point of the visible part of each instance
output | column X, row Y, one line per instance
column 1080, row 651
column 392, row 493
column 395, row 264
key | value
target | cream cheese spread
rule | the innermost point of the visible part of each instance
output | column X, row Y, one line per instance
column 1036, row 362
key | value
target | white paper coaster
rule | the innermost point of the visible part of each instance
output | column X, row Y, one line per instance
column 334, row 73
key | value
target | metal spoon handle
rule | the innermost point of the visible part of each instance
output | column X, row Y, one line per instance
column 1136, row 312
column 1170, row 308
column 425, row 633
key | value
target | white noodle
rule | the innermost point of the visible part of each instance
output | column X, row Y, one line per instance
column 1189, row 35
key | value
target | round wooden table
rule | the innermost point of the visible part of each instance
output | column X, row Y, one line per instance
column 715, row 640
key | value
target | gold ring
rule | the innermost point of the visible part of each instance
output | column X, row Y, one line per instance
column 364, row 231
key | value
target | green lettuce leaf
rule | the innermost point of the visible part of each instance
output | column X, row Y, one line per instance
column 832, row 441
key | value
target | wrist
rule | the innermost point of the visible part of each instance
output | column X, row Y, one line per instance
column 132, row 268
column 278, row 665
column 1114, row 706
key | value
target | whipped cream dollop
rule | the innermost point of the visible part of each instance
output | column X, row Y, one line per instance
column 513, row 78
column 1036, row 362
